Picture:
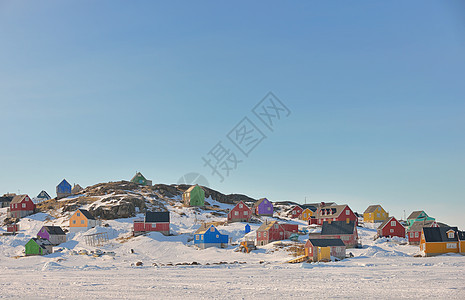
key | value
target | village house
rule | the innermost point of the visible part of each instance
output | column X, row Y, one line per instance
column 154, row 221
column 240, row 213
column 63, row 189
column 295, row 212
column 54, row 234
column 414, row 232
column 263, row 207
column 6, row 199
column 334, row 213
column 21, row 206
column 82, row 220
column 273, row 231
column 38, row 246
column 140, row 179
column 375, row 213
column 308, row 212
column 194, row 196
column 344, row 230
column 208, row 236
column 391, row 227
column 441, row 240
column 76, row 189
column 324, row 249
column 418, row 215
column 13, row 228
column 43, row 196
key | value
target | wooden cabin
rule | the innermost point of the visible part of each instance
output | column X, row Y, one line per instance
column 344, row 230
column 240, row 213
column 295, row 212
column 441, row 240
column 263, row 207
column 54, row 234
column 194, row 196
column 418, row 215
column 21, row 206
column 38, row 246
column 324, row 249
column 153, row 221
column 82, row 220
column 209, row 236
column 63, row 189
column 140, row 179
column 375, row 213
column 333, row 213
column 273, row 231
column 391, row 227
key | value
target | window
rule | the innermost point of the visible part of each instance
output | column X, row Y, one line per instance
column 154, row 225
column 201, row 237
column 246, row 213
column 82, row 221
column 280, row 233
column 450, row 234
column 378, row 215
column 392, row 230
column 393, row 223
column 24, row 205
column 417, row 234
column 347, row 212
column 259, row 234
column 451, row 246
column 212, row 229
column 74, row 221
column 240, row 205
column 412, row 234
column 197, row 237
column 78, row 214
column 236, row 213
column 264, row 234
column 217, row 236
column 275, row 226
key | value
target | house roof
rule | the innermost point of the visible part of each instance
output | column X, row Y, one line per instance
column 44, row 194
column 387, row 221
column 338, row 227
column 336, row 209
column 64, row 182
column 138, row 174
column 77, row 188
column 42, row 242
column 18, row 199
column 6, row 198
column 267, row 225
column 256, row 204
column 204, row 228
column 157, row 216
column 371, row 208
column 418, row 225
column 439, row 234
column 237, row 205
column 55, row 230
column 415, row 214
column 87, row 214
column 309, row 206
column 191, row 188
column 326, row 242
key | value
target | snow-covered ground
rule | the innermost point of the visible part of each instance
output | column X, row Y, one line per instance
column 381, row 269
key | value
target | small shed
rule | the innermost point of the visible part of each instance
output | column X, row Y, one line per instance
column 76, row 189
column 194, row 196
column 12, row 227
column 43, row 196
column 247, row 228
column 38, row 246
column 295, row 211
column 140, row 179
column 54, row 234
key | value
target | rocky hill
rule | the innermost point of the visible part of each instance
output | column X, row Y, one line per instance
column 123, row 199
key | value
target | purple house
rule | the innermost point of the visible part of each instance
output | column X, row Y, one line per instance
column 263, row 207
column 54, row 234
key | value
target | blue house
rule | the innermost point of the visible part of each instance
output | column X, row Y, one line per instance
column 63, row 189
column 208, row 236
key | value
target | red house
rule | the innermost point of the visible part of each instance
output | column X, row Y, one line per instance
column 414, row 232
column 333, row 213
column 153, row 221
column 12, row 227
column 240, row 213
column 295, row 212
column 391, row 227
column 273, row 231
column 21, row 206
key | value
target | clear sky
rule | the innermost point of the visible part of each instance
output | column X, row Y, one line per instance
column 93, row 91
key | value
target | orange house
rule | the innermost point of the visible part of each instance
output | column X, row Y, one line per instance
column 82, row 220
column 308, row 212
column 440, row 240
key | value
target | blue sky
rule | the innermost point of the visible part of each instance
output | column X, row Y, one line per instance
column 95, row 91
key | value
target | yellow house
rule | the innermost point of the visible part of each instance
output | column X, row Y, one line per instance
column 82, row 220
column 306, row 214
column 375, row 213
column 440, row 240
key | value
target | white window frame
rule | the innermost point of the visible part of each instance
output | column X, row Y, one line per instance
column 246, row 213
column 240, row 205
column 451, row 246
column 236, row 213
column 450, row 234
column 347, row 212
column 393, row 223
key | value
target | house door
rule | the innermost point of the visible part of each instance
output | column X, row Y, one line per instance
column 324, row 253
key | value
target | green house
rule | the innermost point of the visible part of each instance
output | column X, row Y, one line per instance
column 419, row 215
column 194, row 196
column 140, row 179
column 38, row 246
